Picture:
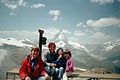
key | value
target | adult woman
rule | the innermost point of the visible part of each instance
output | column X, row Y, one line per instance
column 49, row 58
column 60, row 63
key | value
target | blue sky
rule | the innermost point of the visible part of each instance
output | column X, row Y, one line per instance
column 84, row 21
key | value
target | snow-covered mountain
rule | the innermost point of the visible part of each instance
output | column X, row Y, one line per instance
column 15, row 42
column 82, row 54
column 12, row 51
column 107, row 52
column 106, row 55
column 62, row 40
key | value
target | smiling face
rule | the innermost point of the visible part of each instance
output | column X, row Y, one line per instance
column 52, row 49
column 60, row 52
column 35, row 53
column 67, row 56
column 67, row 53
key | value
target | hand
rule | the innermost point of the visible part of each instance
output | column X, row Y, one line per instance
column 60, row 56
column 47, row 77
column 52, row 64
column 27, row 78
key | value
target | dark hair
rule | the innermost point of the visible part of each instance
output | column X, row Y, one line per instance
column 67, row 51
column 50, row 44
column 60, row 49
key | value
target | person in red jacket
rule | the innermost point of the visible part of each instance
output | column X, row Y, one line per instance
column 32, row 67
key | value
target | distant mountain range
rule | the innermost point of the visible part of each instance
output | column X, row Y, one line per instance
column 88, row 56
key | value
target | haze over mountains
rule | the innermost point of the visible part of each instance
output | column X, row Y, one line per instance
column 88, row 56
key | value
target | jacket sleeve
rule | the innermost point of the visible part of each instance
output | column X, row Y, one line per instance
column 45, row 59
column 63, row 64
column 69, row 66
column 22, row 71
column 42, row 70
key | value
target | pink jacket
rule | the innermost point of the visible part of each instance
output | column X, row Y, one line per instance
column 69, row 65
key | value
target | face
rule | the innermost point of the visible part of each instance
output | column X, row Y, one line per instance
column 67, row 56
column 60, row 52
column 34, row 53
column 52, row 49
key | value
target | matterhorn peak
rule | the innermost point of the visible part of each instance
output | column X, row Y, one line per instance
column 60, row 36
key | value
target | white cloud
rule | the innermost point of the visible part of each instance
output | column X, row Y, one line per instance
column 98, row 35
column 79, row 33
column 66, row 31
column 55, row 14
column 13, row 4
column 74, row 39
column 33, row 36
column 79, row 24
column 101, row 37
column 20, row 35
column 109, row 48
column 102, row 1
column 39, row 5
column 89, row 31
column 22, row 2
column 103, row 22
column 50, row 33
column 12, row 14
column 10, row 5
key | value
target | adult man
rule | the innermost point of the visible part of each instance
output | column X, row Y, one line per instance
column 32, row 67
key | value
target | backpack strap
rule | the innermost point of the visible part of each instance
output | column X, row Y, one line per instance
column 28, row 58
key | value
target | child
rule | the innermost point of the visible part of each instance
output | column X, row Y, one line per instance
column 69, row 64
